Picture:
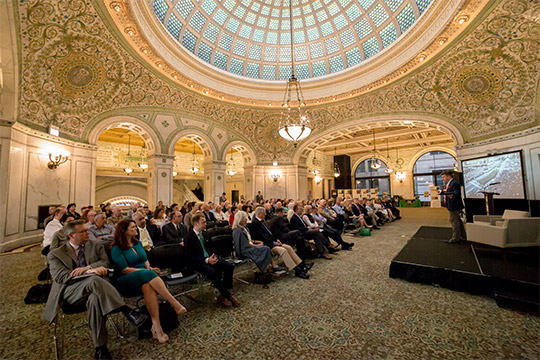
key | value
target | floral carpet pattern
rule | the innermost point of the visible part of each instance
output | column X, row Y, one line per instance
column 348, row 309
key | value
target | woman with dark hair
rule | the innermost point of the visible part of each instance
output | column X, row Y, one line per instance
column 72, row 211
column 133, row 275
column 158, row 218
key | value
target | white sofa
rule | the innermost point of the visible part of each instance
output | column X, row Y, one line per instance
column 512, row 229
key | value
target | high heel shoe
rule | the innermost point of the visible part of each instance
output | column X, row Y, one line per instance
column 180, row 309
column 161, row 339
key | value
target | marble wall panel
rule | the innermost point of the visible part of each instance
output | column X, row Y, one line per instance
column 83, row 183
column 45, row 187
column 15, row 195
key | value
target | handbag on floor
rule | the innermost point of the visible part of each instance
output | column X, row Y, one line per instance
column 38, row 294
column 167, row 317
column 365, row 232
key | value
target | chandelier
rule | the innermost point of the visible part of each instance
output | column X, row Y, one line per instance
column 230, row 165
column 294, row 124
column 375, row 163
column 128, row 169
column 389, row 169
column 143, row 164
column 337, row 173
column 315, row 163
column 194, row 168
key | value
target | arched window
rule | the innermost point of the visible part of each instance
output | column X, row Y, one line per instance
column 367, row 177
column 427, row 171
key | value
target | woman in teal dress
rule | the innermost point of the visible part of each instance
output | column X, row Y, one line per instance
column 134, row 275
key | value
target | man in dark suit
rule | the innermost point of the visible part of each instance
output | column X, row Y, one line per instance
column 454, row 204
column 207, row 213
column 360, row 210
column 389, row 204
column 321, row 239
column 259, row 231
column 149, row 234
column 201, row 257
column 77, row 257
column 174, row 232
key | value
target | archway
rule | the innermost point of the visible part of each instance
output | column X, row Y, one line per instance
column 239, row 159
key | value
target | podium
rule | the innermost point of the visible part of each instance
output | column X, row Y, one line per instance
column 490, row 205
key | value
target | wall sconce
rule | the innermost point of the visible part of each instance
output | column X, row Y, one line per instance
column 400, row 176
column 318, row 179
column 275, row 175
column 57, row 157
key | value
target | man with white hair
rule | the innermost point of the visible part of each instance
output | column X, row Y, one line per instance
column 116, row 215
column 101, row 230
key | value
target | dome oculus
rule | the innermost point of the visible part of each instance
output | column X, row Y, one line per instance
column 251, row 38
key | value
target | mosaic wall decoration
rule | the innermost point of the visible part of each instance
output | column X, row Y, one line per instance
column 73, row 70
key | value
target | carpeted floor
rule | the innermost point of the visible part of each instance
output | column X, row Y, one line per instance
column 348, row 309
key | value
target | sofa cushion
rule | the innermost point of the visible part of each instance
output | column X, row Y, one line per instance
column 515, row 214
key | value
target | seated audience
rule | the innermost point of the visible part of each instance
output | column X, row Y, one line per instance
column 101, row 230
column 133, row 275
column 175, row 230
column 50, row 217
column 245, row 247
column 148, row 234
column 312, row 219
column 259, row 231
column 88, row 216
column 218, row 213
column 200, row 254
column 209, row 215
column 116, row 215
column 195, row 208
column 330, row 215
column 158, row 218
column 133, row 209
column 72, row 211
column 233, row 211
column 281, row 231
column 389, row 204
column 60, row 236
column 99, row 296
column 52, row 227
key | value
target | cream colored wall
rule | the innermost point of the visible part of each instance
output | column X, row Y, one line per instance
column 31, row 183
column 109, row 187
column 235, row 182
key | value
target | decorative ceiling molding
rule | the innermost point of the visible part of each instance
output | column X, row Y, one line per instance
column 442, row 22
column 486, row 85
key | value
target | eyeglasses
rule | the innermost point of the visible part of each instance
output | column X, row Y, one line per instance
column 82, row 231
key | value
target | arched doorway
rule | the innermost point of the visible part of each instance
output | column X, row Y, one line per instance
column 188, row 171
column 239, row 159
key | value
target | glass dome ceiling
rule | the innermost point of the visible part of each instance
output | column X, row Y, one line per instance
column 251, row 38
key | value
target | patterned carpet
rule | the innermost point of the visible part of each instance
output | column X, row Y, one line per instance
column 349, row 309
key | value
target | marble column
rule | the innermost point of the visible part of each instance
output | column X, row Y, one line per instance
column 160, row 179
column 249, row 191
column 214, row 180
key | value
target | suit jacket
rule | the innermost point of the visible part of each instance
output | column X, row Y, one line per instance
column 298, row 223
column 453, row 196
column 209, row 216
column 193, row 249
column 170, row 235
column 155, row 234
column 278, row 226
column 260, row 232
column 62, row 261
column 324, row 214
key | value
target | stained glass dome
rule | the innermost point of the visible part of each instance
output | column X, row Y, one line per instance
column 251, row 38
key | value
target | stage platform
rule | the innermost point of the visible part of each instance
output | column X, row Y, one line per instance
column 512, row 277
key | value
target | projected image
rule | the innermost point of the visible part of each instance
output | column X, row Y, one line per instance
column 499, row 173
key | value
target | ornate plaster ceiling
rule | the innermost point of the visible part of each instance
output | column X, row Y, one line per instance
column 252, row 38
column 76, row 70
column 434, row 29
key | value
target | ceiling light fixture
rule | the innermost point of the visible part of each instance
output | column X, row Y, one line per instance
column 128, row 169
column 294, row 125
column 194, row 168
column 388, row 170
column 143, row 164
column 337, row 173
column 231, row 165
column 375, row 163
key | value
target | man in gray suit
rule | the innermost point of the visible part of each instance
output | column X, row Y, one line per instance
column 78, row 268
